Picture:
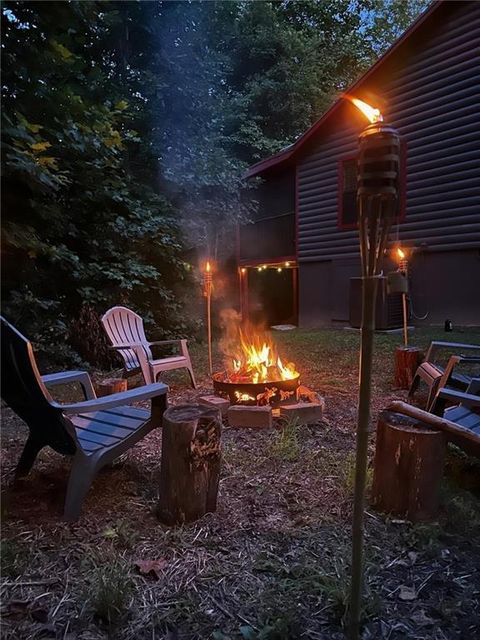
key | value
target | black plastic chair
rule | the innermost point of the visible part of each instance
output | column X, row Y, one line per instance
column 94, row 432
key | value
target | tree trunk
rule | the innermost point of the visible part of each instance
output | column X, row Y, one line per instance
column 111, row 385
column 408, row 467
column 407, row 360
column 190, row 468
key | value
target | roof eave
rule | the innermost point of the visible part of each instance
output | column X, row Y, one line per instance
column 283, row 156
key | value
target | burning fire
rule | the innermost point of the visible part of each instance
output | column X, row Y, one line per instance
column 257, row 361
column 401, row 254
column 369, row 112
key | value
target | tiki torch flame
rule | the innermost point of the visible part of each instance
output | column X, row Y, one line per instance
column 208, row 268
column 369, row 112
column 401, row 254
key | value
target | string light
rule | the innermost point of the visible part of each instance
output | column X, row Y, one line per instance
column 287, row 264
column 279, row 270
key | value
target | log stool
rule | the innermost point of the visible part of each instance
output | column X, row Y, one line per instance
column 408, row 467
column 190, row 467
column 111, row 385
column 407, row 360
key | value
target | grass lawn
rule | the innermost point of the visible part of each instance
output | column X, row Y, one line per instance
column 273, row 562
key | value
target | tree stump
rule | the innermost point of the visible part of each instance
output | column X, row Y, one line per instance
column 111, row 385
column 407, row 360
column 408, row 467
column 190, row 467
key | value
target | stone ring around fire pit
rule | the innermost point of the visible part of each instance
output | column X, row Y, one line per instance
column 253, row 393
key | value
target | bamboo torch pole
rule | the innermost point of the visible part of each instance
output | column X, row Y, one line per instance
column 404, row 269
column 207, row 282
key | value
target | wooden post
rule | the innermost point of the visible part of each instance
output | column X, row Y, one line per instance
column 190, row 468
column 407, row 360
column 408, row 467
column 111, row 385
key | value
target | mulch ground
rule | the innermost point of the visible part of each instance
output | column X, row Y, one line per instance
column 271, row 563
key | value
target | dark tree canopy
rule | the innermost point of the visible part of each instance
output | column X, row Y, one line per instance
column 127, row 127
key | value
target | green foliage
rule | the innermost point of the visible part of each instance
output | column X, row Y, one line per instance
column 110, row 589
column 80, row 225
column 285, row 443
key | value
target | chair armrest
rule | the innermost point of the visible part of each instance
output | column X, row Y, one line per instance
column 67, row 377
column 160, row 342
column 467, row 399
column 435, row 345
column 114, row 400
column 128, row 345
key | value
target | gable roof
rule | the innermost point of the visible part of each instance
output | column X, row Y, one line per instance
column 287, row 156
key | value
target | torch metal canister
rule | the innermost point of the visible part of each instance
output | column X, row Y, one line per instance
column 377, row 191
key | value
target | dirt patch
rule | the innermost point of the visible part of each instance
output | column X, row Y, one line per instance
column 271, row 563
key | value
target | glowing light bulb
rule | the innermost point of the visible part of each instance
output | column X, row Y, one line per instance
column 243, row 270
column 287, row 264
column 279, row 270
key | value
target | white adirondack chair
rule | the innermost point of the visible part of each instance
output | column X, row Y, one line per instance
column 126, row 333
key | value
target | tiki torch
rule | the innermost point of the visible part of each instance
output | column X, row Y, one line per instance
column 207, row 292
column 403, row 269
column 377, row 192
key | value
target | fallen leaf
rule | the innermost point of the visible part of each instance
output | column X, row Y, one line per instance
column 407, row 593
column 153, row 568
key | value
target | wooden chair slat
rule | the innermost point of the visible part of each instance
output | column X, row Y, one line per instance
column 87, row 446
column 123, row 420
column 133, row 412
column 463, row 416
column 90, row 435
column 101, row 428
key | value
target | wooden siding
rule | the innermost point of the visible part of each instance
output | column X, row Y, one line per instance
column 432, row 96
column 273, row 233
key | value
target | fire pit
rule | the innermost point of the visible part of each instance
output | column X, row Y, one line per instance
column 271, row 392
column 254, row 373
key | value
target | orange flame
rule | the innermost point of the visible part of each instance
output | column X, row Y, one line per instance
column 369, row 112
column 257, row 360
column 400, row 253
column 208, row 268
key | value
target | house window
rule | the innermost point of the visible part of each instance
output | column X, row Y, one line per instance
column 347, row 218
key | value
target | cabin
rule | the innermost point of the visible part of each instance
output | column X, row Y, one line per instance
column 299, row 262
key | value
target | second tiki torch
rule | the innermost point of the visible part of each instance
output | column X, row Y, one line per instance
column 207, row 292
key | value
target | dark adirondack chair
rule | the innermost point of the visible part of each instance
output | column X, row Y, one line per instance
column 94, row 432
column 435, row 376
